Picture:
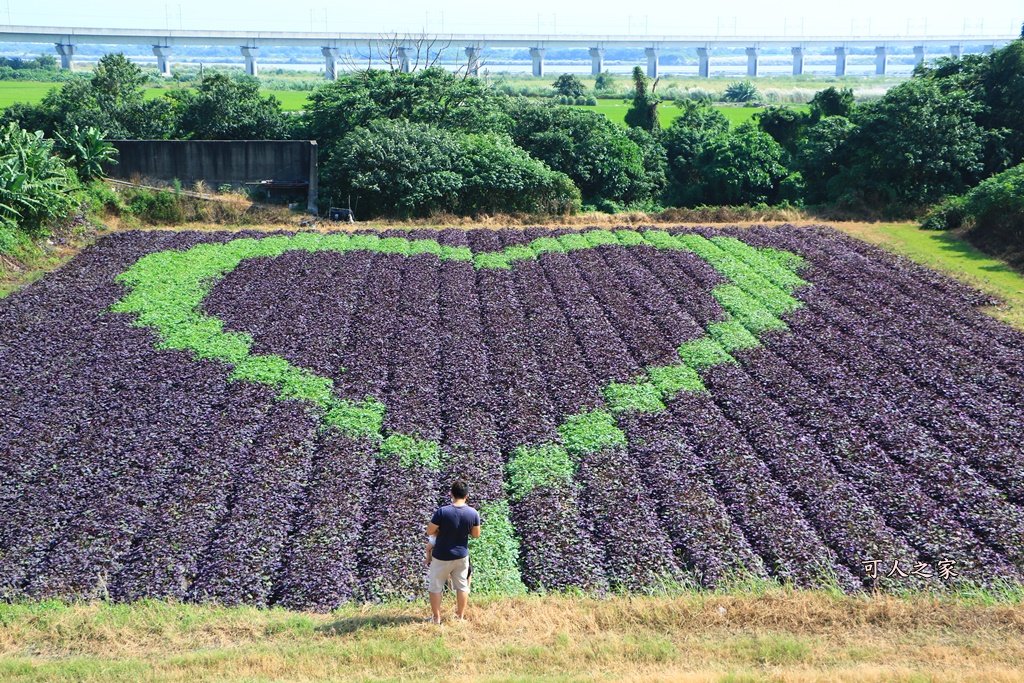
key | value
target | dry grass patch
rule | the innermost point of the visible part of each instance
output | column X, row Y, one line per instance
column 778, row 635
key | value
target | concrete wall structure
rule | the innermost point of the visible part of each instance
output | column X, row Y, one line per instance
column 65, row 39
column 218, row 162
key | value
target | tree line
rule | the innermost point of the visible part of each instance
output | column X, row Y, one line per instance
column 415, row 144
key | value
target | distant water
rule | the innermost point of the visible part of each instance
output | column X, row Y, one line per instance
column 725, row 66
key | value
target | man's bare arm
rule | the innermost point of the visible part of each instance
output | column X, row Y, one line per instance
column 432, row 529
column 475, row 531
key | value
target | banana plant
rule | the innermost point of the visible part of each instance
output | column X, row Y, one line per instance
column 87, row 151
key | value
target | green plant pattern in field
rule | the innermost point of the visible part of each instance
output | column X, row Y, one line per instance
column 166, row 290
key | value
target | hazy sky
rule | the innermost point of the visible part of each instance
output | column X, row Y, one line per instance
column 678, row 17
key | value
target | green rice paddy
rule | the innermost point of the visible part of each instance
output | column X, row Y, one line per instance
column 32, row 92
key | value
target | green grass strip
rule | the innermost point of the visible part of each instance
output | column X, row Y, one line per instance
column 542, row 245
column 661, row 239
column 532, row 467
column 574, row 242
column 291, row 381
column 703, row 353
column 776, row 299
column 425, row 247
column 669, row 380
column 456, row 254
column 367, row 242
column 589, row 432
column 596, row 238
column 782, row 275
column 750, row 312
column 642, row 396
column 627, row 238
column 731, row 335
column 496, row 553
column 494, row 260
column 412, row 452
column 361, row 420
column 335, row 241
column 519, row 252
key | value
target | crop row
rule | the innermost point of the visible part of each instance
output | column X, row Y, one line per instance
column 271, row 419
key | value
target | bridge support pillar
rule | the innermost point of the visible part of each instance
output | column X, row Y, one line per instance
column 881, row 60
column 403, row 59
column 537, row 55
column 67, row 55
column 919, row 54
column 330, row 62
column 753, row 61
column 473, row 60
column 798, row 61
column 596, row 60
column 252, row 55
column 956, row 51
column 163, row 59
column 652, row 61
column 703, row 62
column 841, row 61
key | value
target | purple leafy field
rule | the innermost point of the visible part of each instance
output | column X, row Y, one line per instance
column 270, row 419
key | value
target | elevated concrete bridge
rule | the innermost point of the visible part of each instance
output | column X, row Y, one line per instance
column 404, row 48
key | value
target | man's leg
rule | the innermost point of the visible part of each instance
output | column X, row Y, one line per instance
column 461, row 600
column 435, row 606
column 439, row 573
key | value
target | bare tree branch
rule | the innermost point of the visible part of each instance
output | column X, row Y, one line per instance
column 417, row 51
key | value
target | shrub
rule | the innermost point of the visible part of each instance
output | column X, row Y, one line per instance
column 604, row 81
column 415, row 169
column 832, row 102
column 569, row 85
column 744, row 91
column 994, row 212
column 154, row 206
column 35, row 184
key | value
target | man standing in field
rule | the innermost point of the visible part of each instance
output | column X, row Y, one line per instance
column 453, row 525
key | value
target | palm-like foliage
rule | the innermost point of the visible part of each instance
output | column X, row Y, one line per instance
column 744, row 91
column 34, row 183
column 86, row 151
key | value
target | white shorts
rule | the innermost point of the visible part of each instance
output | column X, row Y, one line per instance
column 442, row 570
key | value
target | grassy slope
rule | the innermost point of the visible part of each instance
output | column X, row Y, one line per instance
column 947, row 253
column 752, row 636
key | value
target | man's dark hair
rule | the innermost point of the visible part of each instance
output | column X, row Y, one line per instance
column 460, row 489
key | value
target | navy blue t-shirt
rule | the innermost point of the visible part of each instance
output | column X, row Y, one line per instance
column 454, row 524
